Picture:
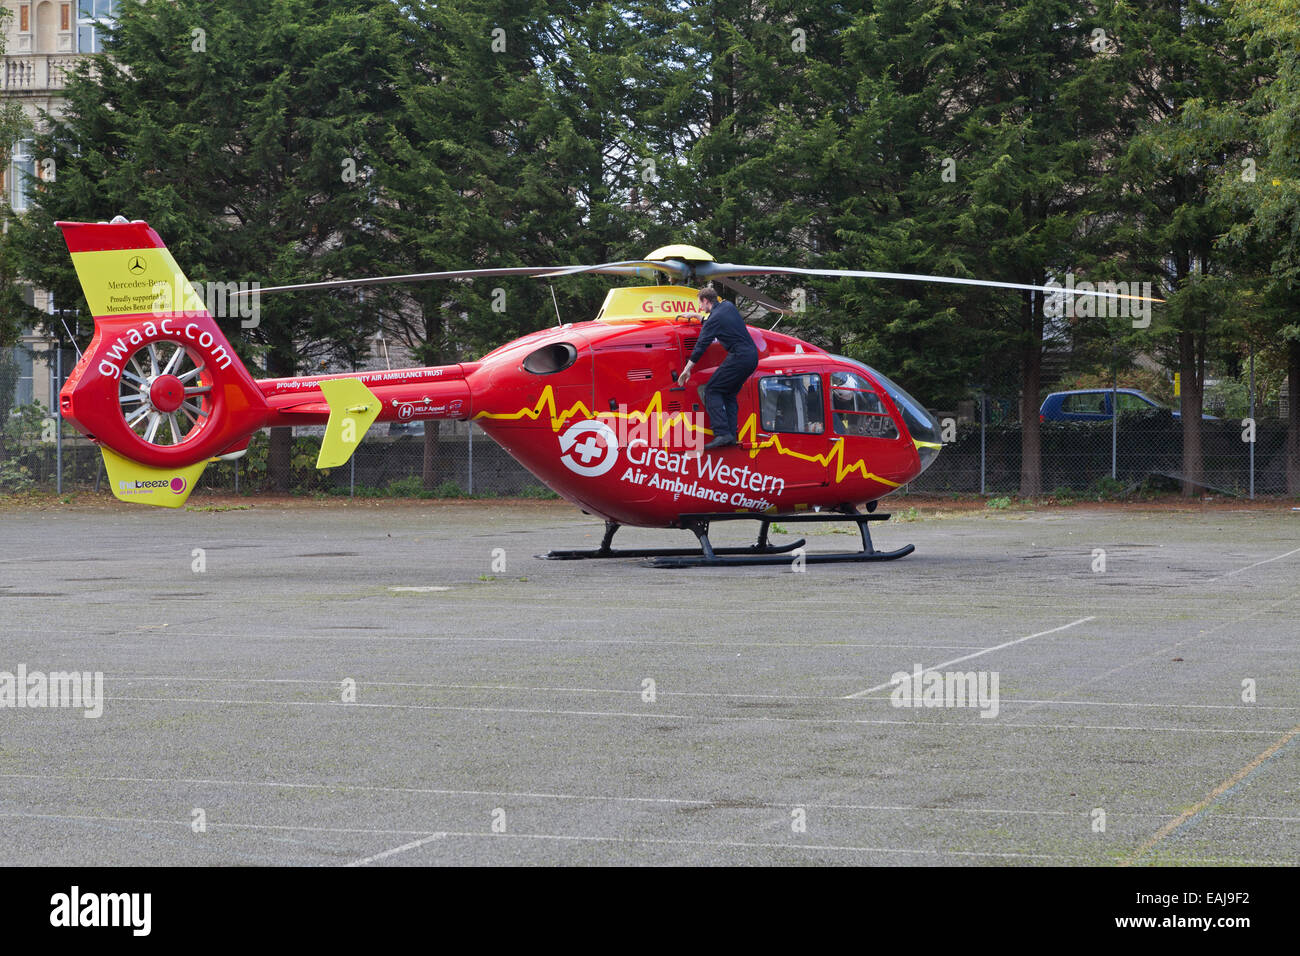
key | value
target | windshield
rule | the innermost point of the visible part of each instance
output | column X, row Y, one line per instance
column 920, row 423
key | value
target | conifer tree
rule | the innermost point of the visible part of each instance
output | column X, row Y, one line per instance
column 242, row 132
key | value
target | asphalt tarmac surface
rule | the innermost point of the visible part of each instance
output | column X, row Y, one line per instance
column 407, row 684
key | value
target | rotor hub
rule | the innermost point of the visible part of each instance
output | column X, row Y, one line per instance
column 167, row 393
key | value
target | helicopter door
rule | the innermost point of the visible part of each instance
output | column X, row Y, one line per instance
column 791, row 428
column 634, row 377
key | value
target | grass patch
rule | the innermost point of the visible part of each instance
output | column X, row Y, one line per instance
column 540, row 492
column 1106, row 488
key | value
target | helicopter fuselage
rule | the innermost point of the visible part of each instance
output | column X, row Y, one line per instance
column 593, row 409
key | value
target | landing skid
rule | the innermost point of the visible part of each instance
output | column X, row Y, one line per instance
column 759, row 549
column 761, row 552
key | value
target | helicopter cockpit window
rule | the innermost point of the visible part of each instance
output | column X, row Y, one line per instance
column 792, row 403
column 856, row 409
column 550, row 359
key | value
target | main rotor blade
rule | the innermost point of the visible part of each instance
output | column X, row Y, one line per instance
column 632, row 267
column 750, row 292
column 413, row 277
column 717, row 270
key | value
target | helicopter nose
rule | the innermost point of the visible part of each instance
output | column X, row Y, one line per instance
column 926, row 436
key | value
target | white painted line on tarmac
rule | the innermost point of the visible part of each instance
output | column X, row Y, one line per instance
column 987, row 650
column 414, row 844
column 716, row 844
column 702, row 694
column 1236, row 621
column 211, row 826
column 650, row 642
column 648, row 841
column 660, row 715
column 604, row 798
column 1257, row 564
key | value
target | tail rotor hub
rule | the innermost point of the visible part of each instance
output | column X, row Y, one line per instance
column 167, row 393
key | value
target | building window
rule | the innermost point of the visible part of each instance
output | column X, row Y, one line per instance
column 21, row 170
column 94, row 17
column 25, row 387
column 24, row 19
column 65, row 17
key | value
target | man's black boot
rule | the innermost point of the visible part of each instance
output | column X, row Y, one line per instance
column 721, row 441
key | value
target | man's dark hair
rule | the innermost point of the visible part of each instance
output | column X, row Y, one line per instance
column 710, row 293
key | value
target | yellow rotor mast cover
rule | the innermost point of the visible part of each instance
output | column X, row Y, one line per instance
column 684, row 253
column 676, row 302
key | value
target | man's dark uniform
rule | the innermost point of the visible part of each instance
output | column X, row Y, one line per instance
column 725, row 325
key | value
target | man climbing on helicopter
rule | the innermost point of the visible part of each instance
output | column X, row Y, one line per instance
column 724, row 325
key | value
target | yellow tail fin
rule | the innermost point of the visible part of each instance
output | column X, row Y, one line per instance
column 353, row 409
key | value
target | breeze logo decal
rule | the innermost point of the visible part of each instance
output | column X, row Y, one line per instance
column 589, row 448
column 175, row 485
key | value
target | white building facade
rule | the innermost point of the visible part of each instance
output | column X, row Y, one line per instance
column 44, row 40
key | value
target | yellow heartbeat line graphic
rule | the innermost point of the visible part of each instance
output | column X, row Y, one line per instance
column 546, row 403
column 836, row 454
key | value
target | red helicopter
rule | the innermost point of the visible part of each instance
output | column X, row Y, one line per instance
column 592, row 409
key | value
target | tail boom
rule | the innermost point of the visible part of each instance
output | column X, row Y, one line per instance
column 414, row 394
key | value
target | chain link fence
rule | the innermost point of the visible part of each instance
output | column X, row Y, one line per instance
column 387, row 463
column 1139, row 451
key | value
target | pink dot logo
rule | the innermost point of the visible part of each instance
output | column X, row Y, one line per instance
column 178, row 485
